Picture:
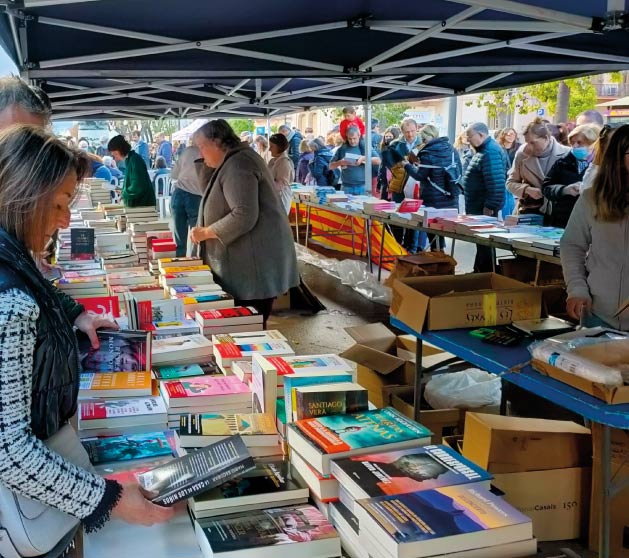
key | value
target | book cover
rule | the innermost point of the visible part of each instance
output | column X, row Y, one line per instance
column 126, row 448
column 204, row 386
column 239, row 312
column 213, row 424
column 409, row 470
column 198, row 471
column 309, row 364
column 186, row 370
column 219, row 295
column 127, row 383
column 178, row 346
column 342, row 400
column 170, row 310
column 292, row 382
column 115, row 408
column 342, row 433
column 267, row 479
column 272, row 527
column 101, row 305
column 119, row 351
column 81, row 244
column 239, row 350
column 441, row 512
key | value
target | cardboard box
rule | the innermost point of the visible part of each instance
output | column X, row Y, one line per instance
column 619, row 546
column 438, row 421
column 556, row 499
column 471, row 300
column 514, row 445
column 611, row 353
column 378, row 365
column 282, row 302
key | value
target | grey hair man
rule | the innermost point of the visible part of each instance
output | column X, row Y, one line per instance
column 21, row 103
column 484, row 183
column 294, row 138
column 590, row 117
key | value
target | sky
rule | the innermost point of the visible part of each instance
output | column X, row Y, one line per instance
column 6, row 64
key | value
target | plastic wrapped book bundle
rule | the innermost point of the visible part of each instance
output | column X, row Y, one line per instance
column 565, row 357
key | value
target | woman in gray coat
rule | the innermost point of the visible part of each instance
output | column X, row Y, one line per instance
column 243, row 231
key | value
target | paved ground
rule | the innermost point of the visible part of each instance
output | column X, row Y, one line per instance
column 324, row 333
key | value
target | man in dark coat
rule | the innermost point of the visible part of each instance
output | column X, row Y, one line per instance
column 484, row 183
column 294, row 139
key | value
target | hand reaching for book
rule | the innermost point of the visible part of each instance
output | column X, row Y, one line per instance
column 133, row 507
column 88, row 323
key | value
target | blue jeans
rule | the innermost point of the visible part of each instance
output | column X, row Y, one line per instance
column 184, row 207
column 412, row 240
column 354, row 189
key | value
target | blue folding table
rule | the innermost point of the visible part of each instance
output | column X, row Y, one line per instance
column 512, row 364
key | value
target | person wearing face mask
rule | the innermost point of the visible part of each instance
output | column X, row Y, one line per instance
column 562, row 185
column 386, row 161
column 531, row 164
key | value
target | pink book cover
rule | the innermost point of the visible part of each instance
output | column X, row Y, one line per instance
column 205, row 386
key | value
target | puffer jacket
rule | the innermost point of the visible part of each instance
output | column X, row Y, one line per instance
column 564, row 172
column 319, row 167
column 56, row 358
column 437, row 152
column 485, row 178
column 294, row 141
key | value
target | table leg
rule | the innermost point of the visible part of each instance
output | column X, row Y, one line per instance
column 606, row 489
column 503, row 400
column 308, row 209
column 493, row 258
column 381, row 250
column 297, row 221
column 419, row 369
column 368, row 234
column 538, row 267
column 452, row 249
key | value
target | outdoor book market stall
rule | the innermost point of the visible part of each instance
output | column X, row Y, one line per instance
column 150, row 59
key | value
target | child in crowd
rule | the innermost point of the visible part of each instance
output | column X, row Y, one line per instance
column 350, row 118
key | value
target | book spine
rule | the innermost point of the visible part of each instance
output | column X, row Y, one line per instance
column 205, row 484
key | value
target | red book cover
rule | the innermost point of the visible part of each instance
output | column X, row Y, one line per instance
column 93, row 410
column 175, row 389
column 145, row 315
column 282, row 367
column 101, row 305
column 236, row 312
column 409, row 206
column 163, row 246
column 322, row 436
column 228, row 350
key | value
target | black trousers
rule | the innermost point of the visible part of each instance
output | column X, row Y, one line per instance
column 262, row 305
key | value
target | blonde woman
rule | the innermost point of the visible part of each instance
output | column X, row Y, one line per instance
column 282, row 169
column 562, row 185
column 39, row 358
column 595, row 245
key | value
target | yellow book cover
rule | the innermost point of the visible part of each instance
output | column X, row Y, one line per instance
column 116, row 381
column 184, row 269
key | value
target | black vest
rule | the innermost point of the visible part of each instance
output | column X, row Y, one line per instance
column 56, row 358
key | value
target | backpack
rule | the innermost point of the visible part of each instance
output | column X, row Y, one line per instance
column 452, row 179
column 333, row 177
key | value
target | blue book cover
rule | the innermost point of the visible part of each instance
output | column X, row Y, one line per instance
column 442, row 512
column 126, row 448
column 343, row 433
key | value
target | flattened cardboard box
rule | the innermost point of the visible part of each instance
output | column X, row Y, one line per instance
column 514, row 445
column 471, row 300
column 619, row 544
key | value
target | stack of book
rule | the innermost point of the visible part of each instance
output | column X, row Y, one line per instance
column 147, row 214
column 187, row 275
column 112, row 243
column 168, row 372
column 99, row 191
column 187, row 349
column 123, row 278
column 315, row 442
column 228, row 320
column 167, row 263
column 232, row 347
column 204, row 394
column 141, row 241
column 162, row 248
column 84, row 283
column 257, row 430
column 281, row 532
column 200, row 298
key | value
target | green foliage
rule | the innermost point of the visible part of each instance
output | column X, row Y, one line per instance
column 389, row 114
column 530, row 98
column 240, row 125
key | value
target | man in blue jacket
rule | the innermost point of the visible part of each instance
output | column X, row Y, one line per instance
column 141, row 147
column 484, row 183
column 165, row 149
column 294, row 140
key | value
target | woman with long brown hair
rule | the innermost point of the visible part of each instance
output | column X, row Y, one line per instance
column 595, row 246
column 39, row 357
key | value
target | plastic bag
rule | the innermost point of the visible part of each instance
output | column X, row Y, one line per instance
column 468, row 389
